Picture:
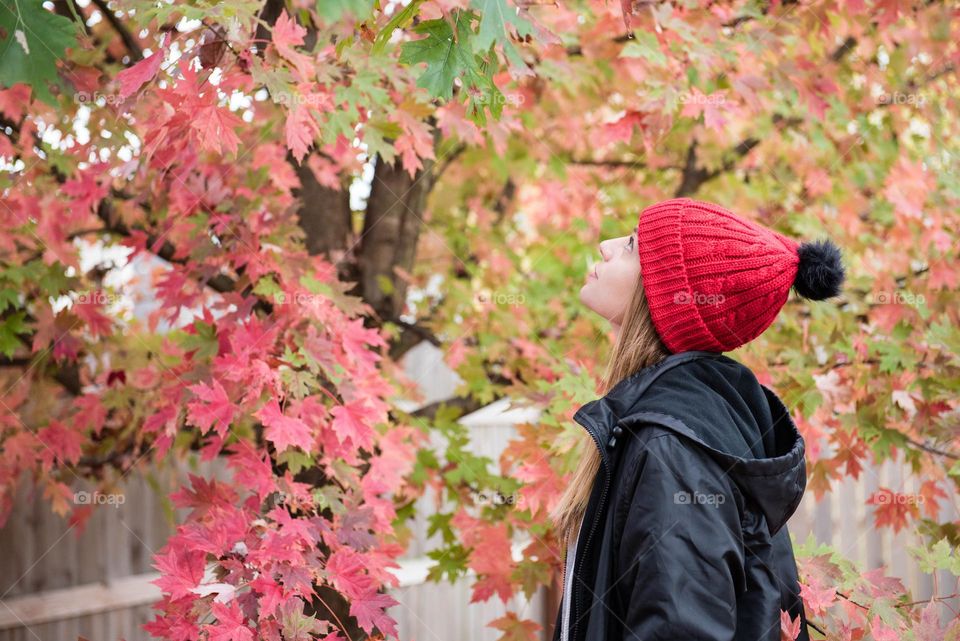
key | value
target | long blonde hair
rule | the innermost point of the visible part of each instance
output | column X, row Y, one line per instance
column 636, row 347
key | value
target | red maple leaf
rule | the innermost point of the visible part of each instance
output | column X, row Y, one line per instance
column 180, row 570
column 881, row 632
column 369, row 609
column 543, row 485
column 789, row 628
column 355, row 339
column 88, row 308
column 352, row 421
column 62, row 444
column 928, row 628
column 271, row 595
column 230, row 624
column 301, row 129
column 139, row 74
column 882, row 585
column 91, row 412
column 620, row 130
column 87, row 189
column 284, row 431
column 414, row 143
column 14, row 101
column 929, row 495
column 492, row 560
column 204, row 494
column 286, row 35
column 516, row 629
column 345, row 569
column 491, row 556
column 890, row 11
column 252, row 469
column 851, row 450
column 893, row 508
column 215, row 128
column 816, row 596
column 176, row 624
column 212, row 407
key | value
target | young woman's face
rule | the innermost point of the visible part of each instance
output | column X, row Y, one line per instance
column 611, row 281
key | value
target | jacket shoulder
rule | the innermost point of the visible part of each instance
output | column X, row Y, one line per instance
column 678, row 530
column 677, row 459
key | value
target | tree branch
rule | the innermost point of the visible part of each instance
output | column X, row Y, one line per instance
column 131, row 43
column 218, row 282
column 447, row 161
column 411, row 335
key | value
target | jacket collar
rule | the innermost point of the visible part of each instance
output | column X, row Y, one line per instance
column 774, row 478
column 600, row 416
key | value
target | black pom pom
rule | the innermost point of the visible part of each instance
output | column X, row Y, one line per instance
column 820, row 273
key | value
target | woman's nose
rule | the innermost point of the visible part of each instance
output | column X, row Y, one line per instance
column 603, row 252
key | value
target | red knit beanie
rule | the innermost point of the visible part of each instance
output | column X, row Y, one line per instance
column 714, row 281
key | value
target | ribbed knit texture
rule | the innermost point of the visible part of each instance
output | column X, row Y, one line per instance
column 713, row 280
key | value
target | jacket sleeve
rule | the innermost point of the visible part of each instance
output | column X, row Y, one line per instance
column 680, row 554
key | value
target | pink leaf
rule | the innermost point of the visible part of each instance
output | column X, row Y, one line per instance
column 229, row 625
column 789, row 628
column 300, row 129
column 284, row 431
column 346, row 570
column 63, row 444
column 211, row 408
column 369, row 610
column 139, row 74
column 352, row 421
column 414, row 143
column 214, row 127
column 286, row 35
column 180, row 570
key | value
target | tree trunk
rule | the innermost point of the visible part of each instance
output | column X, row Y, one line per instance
column 324, row 217
column 391, row 229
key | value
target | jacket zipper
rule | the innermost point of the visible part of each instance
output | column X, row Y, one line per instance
column 575, row 601
column 617, row 431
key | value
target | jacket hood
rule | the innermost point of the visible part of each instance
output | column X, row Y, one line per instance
column 719, row 405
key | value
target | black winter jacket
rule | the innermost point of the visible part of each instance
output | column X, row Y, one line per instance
column 684, row 535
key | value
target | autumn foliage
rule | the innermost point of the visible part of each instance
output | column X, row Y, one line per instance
column 309, row 189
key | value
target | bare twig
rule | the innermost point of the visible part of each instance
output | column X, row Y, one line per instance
column 136, row 53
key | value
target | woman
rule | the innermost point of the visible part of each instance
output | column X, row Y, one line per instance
column 675, row 517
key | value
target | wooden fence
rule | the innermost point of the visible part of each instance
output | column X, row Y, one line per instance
column 55, row 585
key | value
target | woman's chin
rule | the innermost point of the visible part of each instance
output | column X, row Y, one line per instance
column 586, row 294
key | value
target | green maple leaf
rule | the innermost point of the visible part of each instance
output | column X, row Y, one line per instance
column 9, row 299
column 451, row 562
column 400, row 20
column 10, row 329
column 447, row 57
column 32, row 39
column 375, row 132
column 893, row 357
column 449, row 52
column 497, row 14
column 440, row 522
column 531, row 575
column 334, row 10
column 645, row 45
column 204, row 340
column 939, row 556
column 945, row 335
